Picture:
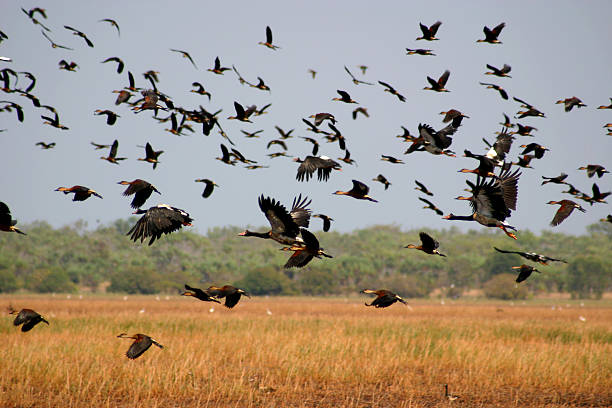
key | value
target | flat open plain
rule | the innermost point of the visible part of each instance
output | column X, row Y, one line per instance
column 285, row 352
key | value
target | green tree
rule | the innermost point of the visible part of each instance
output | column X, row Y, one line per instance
column 503, row 286
column 265, row 281
column 588, row 277
column 8, row 282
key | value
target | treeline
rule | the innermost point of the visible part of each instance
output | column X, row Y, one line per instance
column 73, row 258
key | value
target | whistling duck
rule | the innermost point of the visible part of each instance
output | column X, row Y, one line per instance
column 492, row 34
column 7, row 223
column 199, row 294
column 151, row 155
column 326, row 221
column 502, row 91
column 81, row 193
column 200, row 90
column 428, row 245
column 241, row 114
column 384, row 298
column 277, row 142
column 111, row 117
column 567, row 206
column 570, row 103
column 210, row 186
column 53, row 43
column 523, row 130
column 141, row 343
column 285, row 226
column 249, row 135
column 321, row 116
column 313, row 73
column 606, row 106
column 18, row 110
column 362, row 110
column 185, row 54
column 391, row 159
column 111, row 158
column 392, row 91
column 421, row 187
column 448, row 395
column 419, row 51
column 485, row 167
column 315, row 144
column 571, row 190
column 451, row 114
column 260, row 85
column 225, row 158
column 524, row 161
column 438, row 85
column 429, row 33
column 80, row 34
column 431, row 206
column 263, row 110
column 492, row 201
column 119, row 61
column 158, row 220
column 27, row 317
column 54, row 122
column 525, row 271
column 382, row 179
column 268, row 42
column 593, row 169
column 218, row 69
column 45, row 146
column 435, row 141
column 597, row 197
column 556, row 180
column 230, row 293
column 123, row 96
column 359, row 191
column 150, row 102
column 141, row 189
column 99, row 146
column 501, row 146
column 500, row 72
column 303, row 253
column 532, row 256
column 347, row 157
column 355, row 81
column 507, row 123
column 531, row 110
column 537, row 149
column 322, row 164
column 344, row 97
column 113, row 23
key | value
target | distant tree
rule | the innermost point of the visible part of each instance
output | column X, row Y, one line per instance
column 503, row 286
column 8, row 282
column 51, row 281
column 265, row 281
column 588, row 277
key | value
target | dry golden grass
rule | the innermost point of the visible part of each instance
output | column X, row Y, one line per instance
column 306, row 353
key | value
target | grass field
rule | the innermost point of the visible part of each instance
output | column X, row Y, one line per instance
column 306, row 353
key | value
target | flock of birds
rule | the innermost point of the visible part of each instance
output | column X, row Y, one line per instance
column 493, row 193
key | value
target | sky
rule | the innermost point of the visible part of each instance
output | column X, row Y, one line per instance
column 557, row 49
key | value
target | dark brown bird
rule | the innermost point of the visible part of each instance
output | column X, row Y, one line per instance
column 347, row 157
column 210, row 186
column 597, row 197
column 344, row 97
column 524, row 161
column 359, row 191
column 355, row 81
column 431, row 206
column 280, row 143
column 7, row 223
column 391, row 159
column 260, row 85
column 151, row 155
column 451, row 114
column 485, row 167
column 382, row 179
column 606, row 106
column 406, row 136
column 428, row 245
column 572, row 190
column 123, row 96
column 113, row 23
column 507, row 123
column 525, row 271
column 230, row 293
column 361, row 110
column 283, row 134
column 315, row 144
column 32, row 12
column 593, row 169
column 500, row 72
column 150, row 102
column 567, row 206
column 200, row 90
column 18, row 109
column 429, row 33
column 248, row 134
column 392, row 91
column 537, row 149
column 80, row 34
column 199, row 294
column 119, row 61
column 27, row 317
column 81, row 193
column 419, row 51
column 141, row 190
column 384, row 298
column 421, row 187
column 501, row 147
column 523, row 130
column 158, row 220
column 218, row 69
column 570, row 103
column 268, row 42
column 185, row 54
column 556, row 180
column 141, row 343
column 502, row 91
column 112, row 155
column 321, row 116
column 303, row 254
column 492, row 34
column 322, row 164
column 45, row 146
column 439, row 85
column 532, row 256
column 242, row 114
column 100, row 146
column 53, row 43
column 530, row 109
column 72, row 66
column 111, row 117
column 285, row 226
column 326, row 221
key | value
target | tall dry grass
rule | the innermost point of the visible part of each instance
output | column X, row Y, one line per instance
column 306, row 353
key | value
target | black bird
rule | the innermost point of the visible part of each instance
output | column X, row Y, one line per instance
column 111, row 117
column 185, row 54
column 502, row 91
column 315, row 144
column 419, row 51
column 80, row 34
column 230, row 293
column 119, row 61
column 428, row 245
column 200, row 90
column 151, row 155
column 268, row 42
column 303, row 254
column 113, row 23
column 500, row 72
column 81, row 193
column 382, row 179
column 355, row 80
column 537, row 149
column 53, row 43
column 525, row 271
column 384, row 298
column 359, row 191
column 326, row 221
column 532, row 256
column 210, row 186
column 27, row 317
column 492, row 34
column 141, row 343
column 218, row 69
column 45, row 146
column 431, row 206
column 429, row 33
column 141, row 189
column 392, row 91
column 322, row 164
column 72, row 66
column 439, row 85
column 421, row 187
column 158, row 220
column 593, row 169
column 344, row 97
column 556, row 180
column 199, row 294
column 7, row 223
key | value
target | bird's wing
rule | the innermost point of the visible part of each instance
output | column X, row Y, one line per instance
column 428, row 241
column 279, row 218
column 299, row 211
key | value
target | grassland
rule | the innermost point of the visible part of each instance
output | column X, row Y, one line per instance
column 306, row 353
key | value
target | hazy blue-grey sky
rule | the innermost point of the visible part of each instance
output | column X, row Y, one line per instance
column 557, row 49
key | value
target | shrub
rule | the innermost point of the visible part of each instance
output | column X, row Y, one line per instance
column 503, row 286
